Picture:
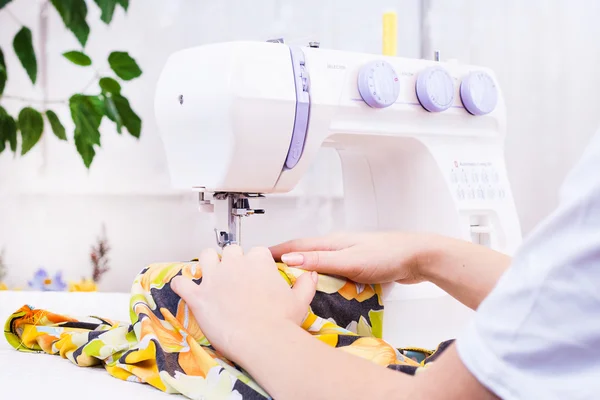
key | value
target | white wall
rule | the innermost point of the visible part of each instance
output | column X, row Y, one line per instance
column 51, row 208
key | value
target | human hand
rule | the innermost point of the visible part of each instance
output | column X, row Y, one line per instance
column 365, row 258
column 243, row 292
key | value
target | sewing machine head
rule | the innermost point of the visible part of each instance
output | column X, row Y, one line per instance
column 420, row 141
column 228, row 113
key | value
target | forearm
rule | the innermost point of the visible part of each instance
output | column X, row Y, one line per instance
column 291, row 364
column 466, row 271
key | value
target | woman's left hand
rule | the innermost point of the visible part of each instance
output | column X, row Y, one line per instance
column 243, row 293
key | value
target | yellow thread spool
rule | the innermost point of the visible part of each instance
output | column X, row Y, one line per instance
column 390, row 33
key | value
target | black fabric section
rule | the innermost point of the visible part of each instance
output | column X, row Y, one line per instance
column 247, row 392
column 441, row 348
column 341, row 310
column 91, row 336
column 79, row 325
column 167, row 298
column 346, row 340
column 78, row 352
column 124, row 356
column 166, row 361
column 94, row 334
column 407, row 369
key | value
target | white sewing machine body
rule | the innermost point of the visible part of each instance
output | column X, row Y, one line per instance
column 250, row 117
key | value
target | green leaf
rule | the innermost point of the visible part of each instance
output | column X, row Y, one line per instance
column 111, row 88
column 108, row 9
column 8, row 131
column 112, row 113
column 31, row 125
column 126, row 116
column 3, row 73
column 123, row 65
column 57, row 127
column 23, row 46
column 124, row 4
column 3, row 78
column 85, row 150
column 87, row 112
column 73, row 14
column 3, row 3
column 12, row 134
column 109, row 85
column 78, row 58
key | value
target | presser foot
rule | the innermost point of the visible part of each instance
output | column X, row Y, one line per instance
column 238, row 206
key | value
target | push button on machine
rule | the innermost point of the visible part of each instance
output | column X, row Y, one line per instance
column 495, row 177
column 476, row 182
column 480, row 193
column 484, row 177
column 453, row 176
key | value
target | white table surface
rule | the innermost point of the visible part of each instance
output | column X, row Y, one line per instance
column 42, row 376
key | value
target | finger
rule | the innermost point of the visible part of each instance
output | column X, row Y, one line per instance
column 208, row 259
column 261, row 253
column 232, row 251
column 305, row 287
column 330, row 242
column 327, row 262
column 185, row 288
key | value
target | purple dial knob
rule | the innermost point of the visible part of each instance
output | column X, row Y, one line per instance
column 478, row 93
column 435, row 89
column 378, row 84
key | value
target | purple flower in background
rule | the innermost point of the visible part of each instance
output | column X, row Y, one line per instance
column 42, row 281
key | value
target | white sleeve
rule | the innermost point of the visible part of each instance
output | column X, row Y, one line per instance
column 537, row 335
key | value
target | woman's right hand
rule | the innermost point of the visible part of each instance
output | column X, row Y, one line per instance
column 466, row 271
column 362, row 257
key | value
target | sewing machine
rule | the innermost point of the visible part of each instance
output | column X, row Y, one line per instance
column 420, row 143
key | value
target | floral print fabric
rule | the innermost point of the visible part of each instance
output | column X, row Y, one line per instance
column 163, row 345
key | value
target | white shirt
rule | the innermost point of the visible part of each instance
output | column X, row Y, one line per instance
column 537, row 335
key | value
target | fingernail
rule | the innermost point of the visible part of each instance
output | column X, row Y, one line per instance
column 314, row 276
column 293, row 259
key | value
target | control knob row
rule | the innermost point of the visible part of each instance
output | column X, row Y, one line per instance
column 379, row 87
